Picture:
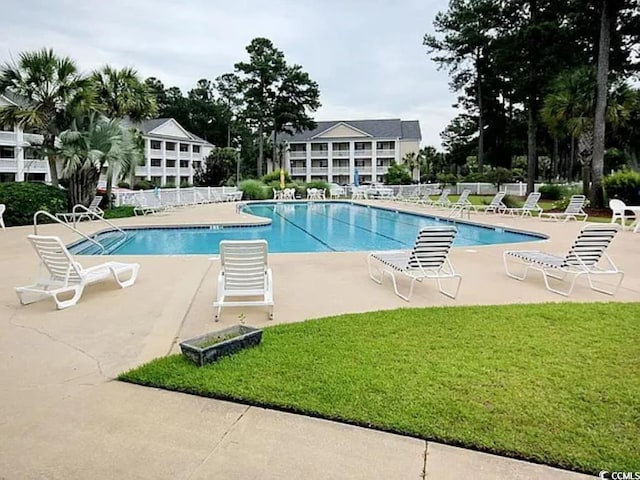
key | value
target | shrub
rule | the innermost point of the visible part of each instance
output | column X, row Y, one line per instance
column 447, row 178
column 23, row 199
column 623, row 185
column 124, row 185
column 398, row 174
column 186, row 185
column 317, row 184
column 552, row 192
column 143, row 185
column 169, row 184
column 499, row 175
column 119, row 212
column 476, row 177
column 511, row 202
column 275, row 175
column 254, row 190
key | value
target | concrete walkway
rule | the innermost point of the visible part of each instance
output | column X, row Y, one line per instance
column 63, row 416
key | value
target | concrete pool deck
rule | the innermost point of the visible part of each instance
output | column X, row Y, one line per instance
column 63, row 415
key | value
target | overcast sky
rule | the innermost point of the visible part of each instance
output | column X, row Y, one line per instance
column 366, row 55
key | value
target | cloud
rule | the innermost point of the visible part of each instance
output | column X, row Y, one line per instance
column 367, row 56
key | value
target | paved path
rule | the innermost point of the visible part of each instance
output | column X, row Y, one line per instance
column 63, row 416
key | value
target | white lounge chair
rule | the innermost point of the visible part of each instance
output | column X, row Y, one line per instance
column 583, row 258
column 244, row 274
column 441, row 201
column 143, row 206
column 530, row 205
column 429, row 258
column 496, row 206
column 574, row 210
column 3, row 207
column 64, row 275
column 80, row 212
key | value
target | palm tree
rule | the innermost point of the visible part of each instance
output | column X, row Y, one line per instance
column 412, row 161
column 121, row 94
column 50, row 91
column 90, row 144
column 571, row 104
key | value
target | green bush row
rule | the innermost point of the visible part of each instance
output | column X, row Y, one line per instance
column 623, row 185
column 24, row 199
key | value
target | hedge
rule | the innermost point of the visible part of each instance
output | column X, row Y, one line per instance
column 23, row 199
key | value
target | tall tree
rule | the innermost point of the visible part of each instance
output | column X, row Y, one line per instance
column 228, row 87
column 50, row 91
column 121, row 94
column 259, row 77
column 296, row 96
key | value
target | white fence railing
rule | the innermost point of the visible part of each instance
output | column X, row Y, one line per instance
column 178, row 196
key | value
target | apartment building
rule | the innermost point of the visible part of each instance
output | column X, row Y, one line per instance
column 171, row 153
column 20, row 162
column 333, row 151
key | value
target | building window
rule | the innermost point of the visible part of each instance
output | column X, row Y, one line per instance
column 196, row 149
column 155, row 145
column 156, row 162
column 7, row 177
column 184, row 181
column 7, row 152
column 184, row 147
column 34, row 177
column 196, row 164
column 171, row 163
column 184, row 163
column 156, row 180
column 33, row 153
column 359, row 163
column 170, row 146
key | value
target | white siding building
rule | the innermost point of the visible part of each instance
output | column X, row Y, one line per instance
column 334, row 150
column 18, row 161
column 171, row 153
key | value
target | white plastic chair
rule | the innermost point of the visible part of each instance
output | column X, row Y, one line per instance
column 574, row 209
column 244, row 273
column 429, row 258
column 583, row 259
column 3, row 207
column 64, row 275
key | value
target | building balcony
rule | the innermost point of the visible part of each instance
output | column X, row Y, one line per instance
column 341, row 170
column 319, row 153
column 340, row 154
column 297, row 154
column 171, row 171
column 362, row 153
column 185, row 155
column 8, row 138
column 155, row 171
column 362, row 170
column 319, row 170
column 171, row 154
column 298, row 171
column 10, row 165
column 385, row 153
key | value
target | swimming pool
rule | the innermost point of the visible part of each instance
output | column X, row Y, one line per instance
column 300, row 227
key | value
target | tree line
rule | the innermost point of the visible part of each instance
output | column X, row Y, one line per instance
column 86, row 120
column 542, row 78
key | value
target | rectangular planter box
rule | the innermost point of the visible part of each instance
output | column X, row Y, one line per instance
column 246, row 337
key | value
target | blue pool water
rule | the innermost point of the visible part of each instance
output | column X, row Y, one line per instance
column 300, row 227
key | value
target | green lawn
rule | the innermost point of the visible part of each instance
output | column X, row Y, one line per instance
column 119, row 212
column 553, row 383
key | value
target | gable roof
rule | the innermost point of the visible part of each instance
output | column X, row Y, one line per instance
column 384, row 128
column 148, row 126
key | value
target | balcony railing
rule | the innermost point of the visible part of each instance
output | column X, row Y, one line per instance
column 363, row 153
column 340, row 154
column 385, row 153
column 299, row 171
column 341, row 170
column 8, row 138
column 319, row 170
column 319, row 153
column 185, row 155
column 297, row 154
column 362, row 170
column 30, row 166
